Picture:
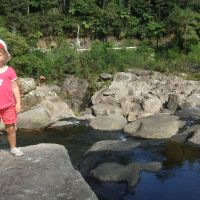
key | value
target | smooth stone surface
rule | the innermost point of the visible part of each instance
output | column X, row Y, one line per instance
column 44, row 172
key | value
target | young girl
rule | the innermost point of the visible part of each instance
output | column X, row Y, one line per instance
column 10, row 100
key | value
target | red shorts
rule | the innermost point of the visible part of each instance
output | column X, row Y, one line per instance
column 8, row 115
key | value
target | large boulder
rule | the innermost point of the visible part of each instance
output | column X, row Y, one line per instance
column 31, row 99
column 44, row 172
column 35, row 119
column 34, row 97
column 108, row 123
column 58, row 110
column 156, row 126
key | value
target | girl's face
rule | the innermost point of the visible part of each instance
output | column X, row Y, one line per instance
column 2, row 58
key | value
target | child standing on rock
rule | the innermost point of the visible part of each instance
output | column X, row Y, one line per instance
column 10, row 99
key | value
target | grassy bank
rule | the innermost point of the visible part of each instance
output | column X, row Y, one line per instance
column 55, row 63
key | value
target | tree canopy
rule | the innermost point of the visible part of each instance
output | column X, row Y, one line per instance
column 103, row 18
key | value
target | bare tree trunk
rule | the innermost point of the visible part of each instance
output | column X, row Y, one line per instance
column 149, row 6
column 63, row 5
column 28, row 8
column 157, row 42
column 104, row 3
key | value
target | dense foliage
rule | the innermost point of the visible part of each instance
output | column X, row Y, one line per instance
column 170, row 29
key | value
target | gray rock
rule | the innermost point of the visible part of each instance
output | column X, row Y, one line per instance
column 189, row 113
column 44, row 172
column 102, row 150
column 35, row 97
column 106, row 109
column 105, row 76
column 100, row 85
column 191, row 134
column 35, row 119
column 97, row 97
column 152, row 105
column 156, row 126
column 108, row 123
column 61, row 125
column 26, row 85
column 32, row 99
column 152, row 90
column 113, row 145
column 87, row 117
column 87, row 111
column 58, row 110
column 122, row 76
column 194, row 132
column 173, row 102
column 192, row 100
column 76, row 91
column 115, row 172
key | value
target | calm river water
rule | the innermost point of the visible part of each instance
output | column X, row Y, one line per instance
column 178, row 179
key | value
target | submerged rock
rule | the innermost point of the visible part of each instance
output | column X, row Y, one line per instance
column 114, row 150
column 60, row 125
column 45, row 172
column 113, row 145
column 116, row 172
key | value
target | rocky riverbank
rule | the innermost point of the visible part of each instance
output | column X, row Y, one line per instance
column 143, row 103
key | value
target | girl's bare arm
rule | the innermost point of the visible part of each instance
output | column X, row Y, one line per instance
column 16, row 92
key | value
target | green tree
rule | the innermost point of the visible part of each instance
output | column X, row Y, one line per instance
column 186, row 24
column 155, row 30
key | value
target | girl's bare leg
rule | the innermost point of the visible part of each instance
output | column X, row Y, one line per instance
column 11, row 134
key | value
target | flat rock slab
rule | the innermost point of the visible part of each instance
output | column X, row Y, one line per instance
column 45, row 172
column 113, row 145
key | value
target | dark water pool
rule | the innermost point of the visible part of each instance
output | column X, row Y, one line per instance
column 178, row 179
